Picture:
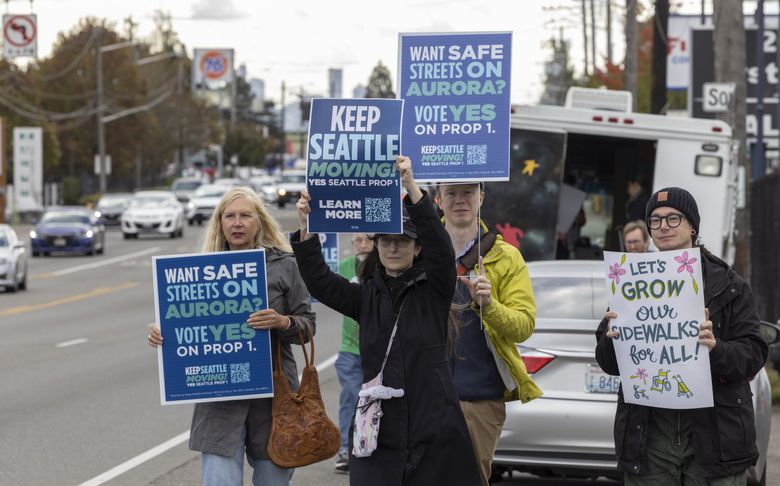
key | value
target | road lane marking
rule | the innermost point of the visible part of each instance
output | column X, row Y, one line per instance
column 165, row 446
column 67, row 300
column 73, row 342
column 137, row 460
column 98, row 264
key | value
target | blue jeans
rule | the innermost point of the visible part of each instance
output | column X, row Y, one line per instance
column 351, row 378
column 216, row 470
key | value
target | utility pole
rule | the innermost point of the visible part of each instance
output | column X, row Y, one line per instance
column 593, row 36
column 730, row 51
column 101, row 135
column 179, row 107
column 3, row 171
column 101, row 132
column 660, row 28
column 609, row 31
column 629, row 75
column 233, row 91
column 757, row 155
column 284, row 136
column 585, row 37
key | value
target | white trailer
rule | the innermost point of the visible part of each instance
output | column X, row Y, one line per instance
column 599, row 151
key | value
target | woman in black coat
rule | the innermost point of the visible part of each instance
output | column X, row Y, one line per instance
column 423, row 439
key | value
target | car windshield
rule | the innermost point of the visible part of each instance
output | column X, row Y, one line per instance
column 65, row 217
column 148, row 201
column 569, row 298
column 293, row 178
column 112, row 201
column 210, row 191
column 3, row 240
column 186, row 185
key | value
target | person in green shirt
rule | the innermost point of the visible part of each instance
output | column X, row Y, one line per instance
column 348, row 362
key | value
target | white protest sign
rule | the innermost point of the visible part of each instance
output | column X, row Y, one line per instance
column 659, row 300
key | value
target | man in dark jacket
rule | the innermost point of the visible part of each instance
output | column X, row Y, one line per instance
column 716, row 445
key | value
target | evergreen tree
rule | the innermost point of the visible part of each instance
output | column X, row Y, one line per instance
column 380, row 83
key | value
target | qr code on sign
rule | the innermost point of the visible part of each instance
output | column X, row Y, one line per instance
column 239, row 372
column 377, row 209
column 476, row 154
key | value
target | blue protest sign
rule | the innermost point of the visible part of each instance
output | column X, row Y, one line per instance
column 209, row 352
column 456, row 116
column 330, row 250
column 351, row 174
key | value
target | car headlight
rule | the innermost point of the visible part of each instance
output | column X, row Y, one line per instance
column 89, row 234
column 33, row 234
column 282, row 191
column 190, row 205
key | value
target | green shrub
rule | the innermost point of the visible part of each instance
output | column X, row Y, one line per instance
column 89, row 200
column 71, row 190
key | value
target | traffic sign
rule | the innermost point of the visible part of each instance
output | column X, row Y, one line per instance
column 717, row 97
column 212, row 68
column 20, row 35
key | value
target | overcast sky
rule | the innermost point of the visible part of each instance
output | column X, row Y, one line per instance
column 296, row 41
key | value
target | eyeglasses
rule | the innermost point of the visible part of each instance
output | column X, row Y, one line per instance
column 672, row 220
column 386, row 241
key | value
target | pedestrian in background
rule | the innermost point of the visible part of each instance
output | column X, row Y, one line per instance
column 224, row 431
column 402, row 300
column 705, row 446
column 348, row 361
column 493, row 309
column 636, row 239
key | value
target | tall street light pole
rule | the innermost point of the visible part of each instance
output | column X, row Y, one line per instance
column 100, row 109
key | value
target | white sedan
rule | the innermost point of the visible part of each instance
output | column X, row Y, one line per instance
column 155, row 213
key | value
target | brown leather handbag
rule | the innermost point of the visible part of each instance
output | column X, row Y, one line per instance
column 301, row 432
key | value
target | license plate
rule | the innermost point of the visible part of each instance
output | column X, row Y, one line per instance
column 596, row 381
column 59, row 242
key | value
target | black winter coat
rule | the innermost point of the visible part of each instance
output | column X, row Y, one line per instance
column 724, row 436
column 423, row 438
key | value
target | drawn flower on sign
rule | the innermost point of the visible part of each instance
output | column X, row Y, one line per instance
column 615, row 272
column 686, row 264
column 641, row 374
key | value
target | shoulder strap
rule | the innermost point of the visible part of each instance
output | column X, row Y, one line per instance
column 309, row 359
column 392, row 336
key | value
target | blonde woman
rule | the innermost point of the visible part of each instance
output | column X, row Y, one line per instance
column 224, row 431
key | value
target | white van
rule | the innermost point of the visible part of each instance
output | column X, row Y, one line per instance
column 599, row 151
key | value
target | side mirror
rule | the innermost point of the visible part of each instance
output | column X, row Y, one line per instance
column 770, row 332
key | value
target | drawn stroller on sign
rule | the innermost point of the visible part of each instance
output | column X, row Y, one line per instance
column 639, row 393
column 661, row 381
column 682, row 388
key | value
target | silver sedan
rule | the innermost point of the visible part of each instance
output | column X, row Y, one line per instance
column 13, row 260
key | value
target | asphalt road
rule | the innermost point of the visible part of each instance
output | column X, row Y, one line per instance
column 80, row 400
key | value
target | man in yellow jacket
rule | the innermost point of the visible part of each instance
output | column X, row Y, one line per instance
column 494, row 309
